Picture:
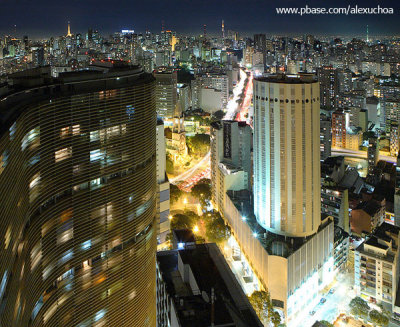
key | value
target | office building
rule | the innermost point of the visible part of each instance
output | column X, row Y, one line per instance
column 325, row 136
column 329, row 87
column 268, row 227
column 78, row 205
column 287, row 154
column 230, row 159
column 215, row 85
column 372, row 153
column 166, row 92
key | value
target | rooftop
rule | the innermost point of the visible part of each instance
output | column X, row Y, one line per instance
column 289, row 79
column 244, row 203
column 210, row 271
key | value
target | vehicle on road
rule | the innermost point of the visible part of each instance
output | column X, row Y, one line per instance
column 322, row 301
column 331, row 291
column 312, row 313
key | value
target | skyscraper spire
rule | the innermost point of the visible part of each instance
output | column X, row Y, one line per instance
column 223, row 29
column 367, row 35
column 69, row 29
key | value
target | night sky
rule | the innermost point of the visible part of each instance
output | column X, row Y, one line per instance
column 43, row 18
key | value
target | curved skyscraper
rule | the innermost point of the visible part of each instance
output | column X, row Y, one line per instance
column 287, row 154
column 78, row 198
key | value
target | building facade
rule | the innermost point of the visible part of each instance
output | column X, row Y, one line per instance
column 166, row 92
column 78, row 211
column 287, row 154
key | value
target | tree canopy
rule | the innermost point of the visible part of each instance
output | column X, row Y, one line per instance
column 359, row 307
column 174, row 193
column 261, row 302
column 216, row 229
column 378, row 318
column 198, row 144
column 182, row 221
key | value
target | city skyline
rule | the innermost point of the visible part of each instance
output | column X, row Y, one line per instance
column 44, row 19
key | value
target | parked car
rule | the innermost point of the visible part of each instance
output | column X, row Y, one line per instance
column 331, row 291
column 322, row 301
column 312, row 313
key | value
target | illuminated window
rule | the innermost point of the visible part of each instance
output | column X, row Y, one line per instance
column 12, row 130
column 34, row 159
column 86, row 245
column 63, row 154
column 36, row 255
column 34, row 180
column 96, row 155
column 36, row 308
column 66, row 256
column 76, row 130
column 31, row 139
column 65, row 232
column 47, row 270
column 94, row 136
column 64, row 132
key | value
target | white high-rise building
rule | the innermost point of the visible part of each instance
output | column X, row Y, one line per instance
column 287, row 154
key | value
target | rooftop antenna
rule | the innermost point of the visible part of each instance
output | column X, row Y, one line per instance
column 162, row 26
column 223, row 29
column 367, row 35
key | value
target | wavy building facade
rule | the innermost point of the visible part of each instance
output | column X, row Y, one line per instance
column 78, row 198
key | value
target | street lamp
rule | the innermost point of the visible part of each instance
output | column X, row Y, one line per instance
column 170, row 217
column 196, row 229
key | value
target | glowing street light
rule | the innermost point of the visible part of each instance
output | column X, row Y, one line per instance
column 196, row 229
column 244, row 218
column 255, row 234
column 170, row 217
column 184, row 201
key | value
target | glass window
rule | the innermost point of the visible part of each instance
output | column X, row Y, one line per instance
column 34, row 180
column 76, row 130
column 32, row 139
column 64, row 132
column 63, row 154
column 94, row 136
column 66, row 256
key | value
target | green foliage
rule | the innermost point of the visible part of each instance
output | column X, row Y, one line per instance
column 326, row 323
column 174, row 193
column 359, row 307
column 261, row 302
column 202, row 191
column 378, row 318
column 182, row 221
column 216, row 230
column 198, row 144
column 169, row 165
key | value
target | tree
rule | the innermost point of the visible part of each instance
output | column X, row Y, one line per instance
column 261, row 302
column 216, row 230
column 174, row 193
column 219, row 114
column 326, row 323
column 202, row 191
column 181, row 221
column 198, row 144
column 359, row 307
column 378, row 318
